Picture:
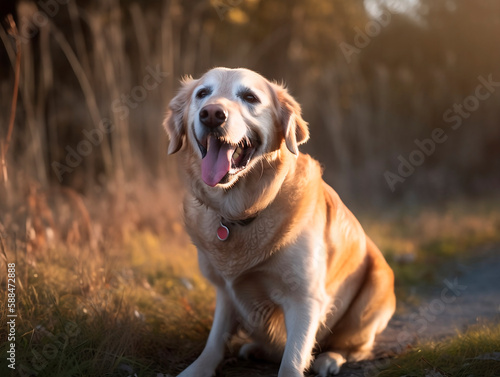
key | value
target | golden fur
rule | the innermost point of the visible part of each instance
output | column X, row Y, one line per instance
column 302, row 276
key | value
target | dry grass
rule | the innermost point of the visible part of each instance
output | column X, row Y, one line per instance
column 122, row 273
column 136, row 302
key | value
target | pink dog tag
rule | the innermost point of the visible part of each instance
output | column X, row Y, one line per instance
column 222, row 232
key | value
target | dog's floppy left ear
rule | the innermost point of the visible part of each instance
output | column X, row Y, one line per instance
column 174, row 122
column 294, row 128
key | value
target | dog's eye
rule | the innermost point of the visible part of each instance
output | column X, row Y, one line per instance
column 202, row 93
column 249, row 97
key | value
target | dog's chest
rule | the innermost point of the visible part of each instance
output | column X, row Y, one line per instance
column 245, row 247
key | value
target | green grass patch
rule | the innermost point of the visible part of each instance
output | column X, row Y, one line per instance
column 473, row 353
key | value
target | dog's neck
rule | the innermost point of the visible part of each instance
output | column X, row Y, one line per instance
column 240, row 222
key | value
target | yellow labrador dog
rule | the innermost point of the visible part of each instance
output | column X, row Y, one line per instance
column 290, row 263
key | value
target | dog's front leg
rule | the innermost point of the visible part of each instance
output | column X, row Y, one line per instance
column 222, row 327
column 302, row 321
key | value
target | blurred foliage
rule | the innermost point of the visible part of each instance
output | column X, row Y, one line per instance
column 86, row 62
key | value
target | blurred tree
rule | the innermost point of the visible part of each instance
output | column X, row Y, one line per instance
column 365, row 109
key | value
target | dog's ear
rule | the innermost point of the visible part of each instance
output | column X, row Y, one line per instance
column 289, row 113
column 177, row 110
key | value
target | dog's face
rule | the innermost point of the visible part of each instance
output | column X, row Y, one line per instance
column 233, row 118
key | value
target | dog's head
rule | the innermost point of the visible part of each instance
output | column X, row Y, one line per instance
column 232, row 118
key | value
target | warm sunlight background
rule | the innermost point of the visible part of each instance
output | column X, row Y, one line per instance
column 372, row 76
column 401, row 97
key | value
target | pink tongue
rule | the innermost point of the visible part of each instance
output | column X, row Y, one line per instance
column 217, row 162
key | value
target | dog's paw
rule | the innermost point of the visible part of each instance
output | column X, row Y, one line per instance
column 328, row 364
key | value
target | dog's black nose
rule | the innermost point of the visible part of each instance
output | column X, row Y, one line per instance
column 213, row 116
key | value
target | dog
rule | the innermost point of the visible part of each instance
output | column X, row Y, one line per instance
column 290, row 263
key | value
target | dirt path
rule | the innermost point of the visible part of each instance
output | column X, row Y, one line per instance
column 464, row 295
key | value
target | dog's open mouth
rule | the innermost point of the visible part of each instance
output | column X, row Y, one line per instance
column 222, row 159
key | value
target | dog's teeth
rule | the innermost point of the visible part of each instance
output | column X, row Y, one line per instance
column 237, row 153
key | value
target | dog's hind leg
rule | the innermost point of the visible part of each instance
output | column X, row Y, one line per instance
column 368, row 314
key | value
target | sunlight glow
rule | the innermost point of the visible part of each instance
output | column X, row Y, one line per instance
column 375, row 7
